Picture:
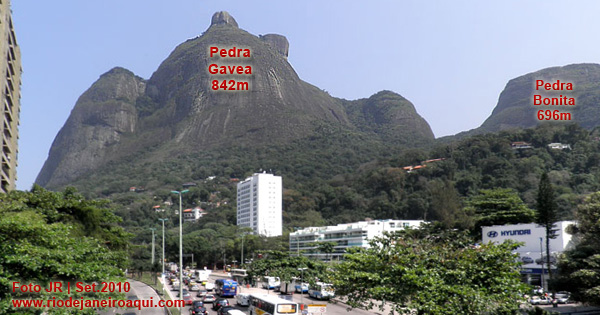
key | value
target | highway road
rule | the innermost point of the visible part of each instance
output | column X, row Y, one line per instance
column 142, row 292
column 332, row 307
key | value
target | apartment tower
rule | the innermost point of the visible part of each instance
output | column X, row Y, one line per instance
column 10, row 82
column 259, row 204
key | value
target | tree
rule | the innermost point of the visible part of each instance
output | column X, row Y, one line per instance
column 281, row 264
column 546, row 214
column 580, row 267
column 43, row 239
column 498, row 207
column 326, row 247
column 431, row 272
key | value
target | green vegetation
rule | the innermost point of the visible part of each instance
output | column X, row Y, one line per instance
column 332, row 177
column 497, row 207
column 546, row 215
column 57, row 236
column 432, row 272
column 281, row 264
column 580, row 267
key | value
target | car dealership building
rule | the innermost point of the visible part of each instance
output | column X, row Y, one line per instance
column 534, row 249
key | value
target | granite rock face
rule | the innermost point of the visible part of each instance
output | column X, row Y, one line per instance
column 223, row 18
column 516, row 109
column 183, row 107
column 93, row 131
column 279, row 42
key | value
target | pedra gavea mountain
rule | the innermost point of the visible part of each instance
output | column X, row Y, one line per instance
column 225, row 87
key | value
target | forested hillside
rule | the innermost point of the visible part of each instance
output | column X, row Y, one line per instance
column 322, row 189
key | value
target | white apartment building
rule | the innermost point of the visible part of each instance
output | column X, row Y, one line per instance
column 344, row 235
column 259, row 204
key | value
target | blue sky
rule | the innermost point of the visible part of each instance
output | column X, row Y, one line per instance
column 451, row 59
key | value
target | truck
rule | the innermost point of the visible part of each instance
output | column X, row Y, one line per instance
column 287, row 287
column 202, row 276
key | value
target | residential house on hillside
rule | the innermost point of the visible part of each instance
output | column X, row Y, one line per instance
column 520, row 145
column 559, row 146
column 192, row 215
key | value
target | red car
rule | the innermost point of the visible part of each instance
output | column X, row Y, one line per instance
column 188, row 300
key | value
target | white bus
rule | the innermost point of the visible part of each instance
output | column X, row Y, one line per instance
column 239, row 273
column 263, row 304
column 271, row 283
column 321, row 291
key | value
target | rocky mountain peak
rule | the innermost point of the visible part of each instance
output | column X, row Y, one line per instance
column 223, row 17
column 279, row 42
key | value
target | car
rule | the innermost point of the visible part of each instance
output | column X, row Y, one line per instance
column 302, row 288
column 209, row 286
column 201, row 293
column 209, row 298
column 234, row 312
column 242, row 299
column 188, row 299
column 543, row 259
column 194, row 287
column 198, row 311
column 197, row 304
column 527, row 260
column 185, row 293
column 223, row 310
column 536, row 300
column 562, row 297
column 218, row 303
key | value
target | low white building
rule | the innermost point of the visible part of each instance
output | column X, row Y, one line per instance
column 533, row 252
column 344, row 235
column 191, row 215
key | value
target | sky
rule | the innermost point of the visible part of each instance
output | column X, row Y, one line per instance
column 451, row 59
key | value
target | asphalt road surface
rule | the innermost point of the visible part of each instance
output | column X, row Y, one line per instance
column 139, row 291
column 332, row 308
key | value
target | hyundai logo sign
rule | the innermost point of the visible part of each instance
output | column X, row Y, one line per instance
column 492, row 234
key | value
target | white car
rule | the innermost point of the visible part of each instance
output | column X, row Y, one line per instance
column 536, row 300
column 242, row 299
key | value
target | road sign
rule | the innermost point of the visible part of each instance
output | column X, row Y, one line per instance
column 317, row 308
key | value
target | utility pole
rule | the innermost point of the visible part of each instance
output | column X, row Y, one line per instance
column 301, row 289
column 242, row 261
column 542, row 262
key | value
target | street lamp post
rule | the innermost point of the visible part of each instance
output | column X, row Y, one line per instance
column 152, row 229
column 163, row 243
column 301, row 289
column 163, row 252
column 180, row 244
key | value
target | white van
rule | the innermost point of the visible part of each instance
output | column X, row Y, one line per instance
column 243, row 299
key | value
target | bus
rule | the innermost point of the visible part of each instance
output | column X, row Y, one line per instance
column 225, row 287
column 239, row 273
column 271, row 283
column 321, row 291
column 262, row 304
